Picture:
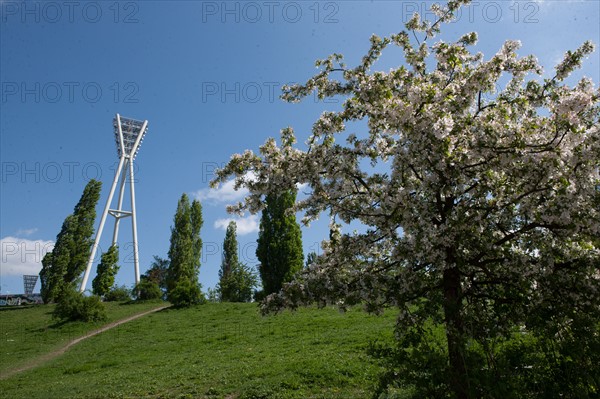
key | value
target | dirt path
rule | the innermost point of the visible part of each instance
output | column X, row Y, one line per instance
column 54, row 354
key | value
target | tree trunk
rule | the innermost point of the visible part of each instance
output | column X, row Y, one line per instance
column 455, row 333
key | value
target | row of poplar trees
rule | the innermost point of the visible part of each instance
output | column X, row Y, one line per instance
column 63, row 266
column 279, row 252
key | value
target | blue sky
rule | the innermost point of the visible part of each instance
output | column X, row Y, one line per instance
column 206, row 75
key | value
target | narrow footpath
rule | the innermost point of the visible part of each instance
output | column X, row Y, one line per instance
column 56, row 353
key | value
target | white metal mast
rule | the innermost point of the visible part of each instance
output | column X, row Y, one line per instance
column 129, row 134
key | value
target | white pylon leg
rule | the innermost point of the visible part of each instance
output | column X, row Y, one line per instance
column 136, row 261
column 101, row 227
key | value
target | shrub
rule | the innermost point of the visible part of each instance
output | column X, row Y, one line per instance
column 186, row 294
column 259, row 296
column 74, row 306
column 238, row 285
column 147, row 290
column 212, row 295
column 118, row 294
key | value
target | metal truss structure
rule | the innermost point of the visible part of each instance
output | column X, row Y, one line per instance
column 29, row 283
column 129, row 134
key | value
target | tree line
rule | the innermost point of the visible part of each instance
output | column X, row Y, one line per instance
column 176, row 278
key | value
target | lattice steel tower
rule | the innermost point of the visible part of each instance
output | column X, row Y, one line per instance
column 29, row 283
column 129, row 134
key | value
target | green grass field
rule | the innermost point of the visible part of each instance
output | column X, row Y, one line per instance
column 26, row 333
column 209, row 351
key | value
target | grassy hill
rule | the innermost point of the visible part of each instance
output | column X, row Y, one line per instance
column 210, row 351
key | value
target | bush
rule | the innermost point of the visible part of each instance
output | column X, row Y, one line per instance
column 238, row 285
column 74, row 306
column 525, row 364
column 118, row 294
column 147, row 290
column 259, row 295
column 186, row 294
column 212, row 295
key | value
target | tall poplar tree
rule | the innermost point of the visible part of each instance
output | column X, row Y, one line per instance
column 184, row 253
column 230, row 248
column 196, row 223
column 279, row 242
column 236, row 280
column 107, row 269
column 181, row 263
column 62, row 267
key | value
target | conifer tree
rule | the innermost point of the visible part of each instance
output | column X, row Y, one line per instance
column 107, row 269
column 279, row 242
column 184, row 253
column 63, row 266
column 230, row 248
column 181, row 249
column 196, row 223
column 236, row 280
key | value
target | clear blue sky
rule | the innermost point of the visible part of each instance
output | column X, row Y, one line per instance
column 206, row 75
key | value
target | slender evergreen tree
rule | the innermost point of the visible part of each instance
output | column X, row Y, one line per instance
column 279, row 242
column 184, row 253
column 62, row 267
column 196, row 222
column 236, row 280
column 107, row 269
column 230, row 248
column 181, row 255
column 85, row 215
column 228, row 260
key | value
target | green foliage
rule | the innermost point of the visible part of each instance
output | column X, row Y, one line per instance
column 196, row 224
column 524, row 364
column 63, row 266
column 416, row 364
column 181, row 255
column 259, row 295
column 107, row 269
column 85, row 215
column 184, row 254
column 230, row 250
column 147, row 290
column 236, row 280
column 74, row 306
column 55, row 263
column 212, row 295
column 279, row 242
column 310, row 258
column 238, row 285
column 185, row 294
column 118, row 294
column 158, row 272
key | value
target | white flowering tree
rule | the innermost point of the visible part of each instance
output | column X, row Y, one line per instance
column 481, row 207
